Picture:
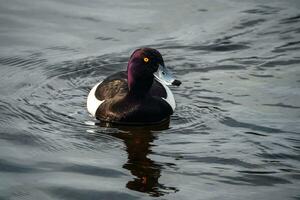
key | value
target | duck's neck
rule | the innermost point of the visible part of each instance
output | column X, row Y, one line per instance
column 139, row 83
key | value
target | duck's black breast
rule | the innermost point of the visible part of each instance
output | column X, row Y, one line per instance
column 121, row 107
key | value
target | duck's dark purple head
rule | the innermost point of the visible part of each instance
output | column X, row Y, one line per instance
column 145, row 64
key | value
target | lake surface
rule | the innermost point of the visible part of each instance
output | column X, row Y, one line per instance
column 235, row 133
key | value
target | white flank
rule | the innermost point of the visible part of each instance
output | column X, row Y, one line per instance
column 92, row 102
column 170, row 97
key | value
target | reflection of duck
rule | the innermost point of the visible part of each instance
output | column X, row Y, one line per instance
column 138, row 96
column 138, row 143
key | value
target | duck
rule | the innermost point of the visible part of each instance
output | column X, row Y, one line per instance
column 138, row 96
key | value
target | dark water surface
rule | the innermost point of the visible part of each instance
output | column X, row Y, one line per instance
column 234, row 135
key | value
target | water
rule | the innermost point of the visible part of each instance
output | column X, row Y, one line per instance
column 235, row 132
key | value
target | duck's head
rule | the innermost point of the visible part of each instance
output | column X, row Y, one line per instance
column 144, row 65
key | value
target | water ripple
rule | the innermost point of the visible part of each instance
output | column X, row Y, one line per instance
column 234, row 123
column 30, row 62
column 81, row 194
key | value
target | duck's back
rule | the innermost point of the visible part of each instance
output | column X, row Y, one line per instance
column 112, row 87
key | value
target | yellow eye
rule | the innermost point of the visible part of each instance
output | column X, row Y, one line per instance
column 146, row 59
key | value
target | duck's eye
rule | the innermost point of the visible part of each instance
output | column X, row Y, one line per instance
column 146, row 59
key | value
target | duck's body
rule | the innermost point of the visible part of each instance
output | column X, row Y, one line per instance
column 133, row 96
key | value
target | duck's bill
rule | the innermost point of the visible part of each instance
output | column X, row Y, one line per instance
column 164, row 75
